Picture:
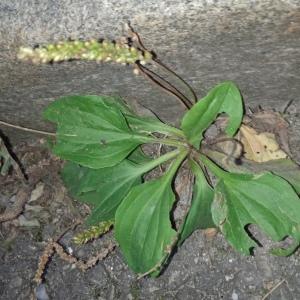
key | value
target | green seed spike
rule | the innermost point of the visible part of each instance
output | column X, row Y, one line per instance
column 85, row 50
column 93, row 232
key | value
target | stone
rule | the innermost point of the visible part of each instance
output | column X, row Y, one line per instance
column 37, row 192
column 23, row 222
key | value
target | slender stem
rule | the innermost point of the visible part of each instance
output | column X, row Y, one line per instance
column 168, row 142
column 173, row 130
column 160, row 63
column 153, row 140
column 156, row 82
column 204, row 170
column 137, row 37
column 175, row 165
column 166, row 85
column 158, row 161
column 137, row 123
column 27, row 129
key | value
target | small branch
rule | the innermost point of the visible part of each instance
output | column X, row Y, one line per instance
column 27, row 129
column 84, row 265
column 49, row 251
column 273, row 289
column 43, row 261
column 53, row 247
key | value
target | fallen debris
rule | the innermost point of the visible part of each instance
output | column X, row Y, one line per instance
column 54, row 247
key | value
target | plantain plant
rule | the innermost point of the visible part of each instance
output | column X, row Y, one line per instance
column 101, row 138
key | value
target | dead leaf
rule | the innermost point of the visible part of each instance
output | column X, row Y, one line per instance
column 210, row 233
column 273, row 122
column 260, row 147
column 6, row 160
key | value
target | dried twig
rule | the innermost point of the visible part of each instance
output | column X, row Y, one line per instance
column 54, row 247
column 276, row 286
column 43, row 261
column 27, row 129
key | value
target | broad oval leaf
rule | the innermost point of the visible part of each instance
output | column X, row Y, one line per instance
column 285, row 167
column 146, row 122
column 138, row 156
column 265, row 200
column 226, row 98
column 92, row 131
column 142, row 225
column 199, row 215
column 103, row 189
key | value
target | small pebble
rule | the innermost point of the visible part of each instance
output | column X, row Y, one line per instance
column 229, row 277
column 41, row 293
column 234, row 296
column 16, row 283
column 23, row 222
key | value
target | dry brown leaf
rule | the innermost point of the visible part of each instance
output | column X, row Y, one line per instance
column 260, row 147
column 210, row 233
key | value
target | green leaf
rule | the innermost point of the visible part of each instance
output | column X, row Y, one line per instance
column 104, row 189
column 138, row 156
column 199, row 215
column 72, row 174
column 92, row 131
column 143, row 228
column 265, row 200
column 285, row 168
column 225, row 97
column 142, row 225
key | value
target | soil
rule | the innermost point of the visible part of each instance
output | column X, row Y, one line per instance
column 203, row 268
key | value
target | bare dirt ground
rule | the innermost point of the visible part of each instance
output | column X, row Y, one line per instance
column 203, row 268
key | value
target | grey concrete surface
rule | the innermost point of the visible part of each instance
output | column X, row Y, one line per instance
column 255, row 43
